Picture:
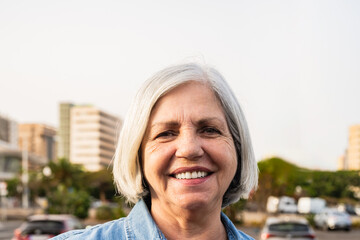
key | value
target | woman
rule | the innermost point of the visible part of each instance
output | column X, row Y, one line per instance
column 183, row 154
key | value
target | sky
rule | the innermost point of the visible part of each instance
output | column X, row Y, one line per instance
column 293, row 65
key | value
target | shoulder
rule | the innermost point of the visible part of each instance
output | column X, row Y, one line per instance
column 232, row 231
column 244, row 236
column 137, row 225
column 109, row 230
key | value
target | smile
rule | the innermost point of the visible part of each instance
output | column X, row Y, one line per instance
column 191, row 175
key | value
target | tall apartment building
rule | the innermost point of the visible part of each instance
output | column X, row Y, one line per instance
column 8, row 133
column 63, row 146
column 92, row 137
column 342, row 163
column 353, row 150
column 38, row 139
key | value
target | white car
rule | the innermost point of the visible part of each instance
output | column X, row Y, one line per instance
column 330, row 219
column 280, row 228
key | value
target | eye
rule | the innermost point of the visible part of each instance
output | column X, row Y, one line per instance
column 165, row 134
column 210, row 131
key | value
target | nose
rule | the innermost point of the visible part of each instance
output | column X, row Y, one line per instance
column 189, row 146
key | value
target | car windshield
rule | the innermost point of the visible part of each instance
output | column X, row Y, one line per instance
column 339, row 214
column 288, row 227
column 43, row 227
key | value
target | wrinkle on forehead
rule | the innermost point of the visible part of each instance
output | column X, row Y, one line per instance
column 212, row 97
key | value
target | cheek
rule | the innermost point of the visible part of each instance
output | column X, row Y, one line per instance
column 156, row 159
column 224, row 154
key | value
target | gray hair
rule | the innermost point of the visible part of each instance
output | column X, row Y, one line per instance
column 127, row 170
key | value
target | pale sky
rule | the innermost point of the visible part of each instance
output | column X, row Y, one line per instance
column 294, row 65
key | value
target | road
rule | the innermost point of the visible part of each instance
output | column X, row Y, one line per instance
column 320, row 235
column 7, row 230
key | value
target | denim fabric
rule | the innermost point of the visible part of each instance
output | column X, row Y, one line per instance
column 137, row 225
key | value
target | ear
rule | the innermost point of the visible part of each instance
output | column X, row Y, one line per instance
column 252, row 193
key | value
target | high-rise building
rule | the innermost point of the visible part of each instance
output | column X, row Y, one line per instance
column 64, row 130
column 38, row 139
column 342, row 163
column 92, row 137
column 8, row 133
column 353, row 150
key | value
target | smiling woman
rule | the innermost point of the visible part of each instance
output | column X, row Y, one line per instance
column 184, row 152
column 187, row 133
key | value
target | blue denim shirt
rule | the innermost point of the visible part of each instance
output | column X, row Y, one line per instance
column 137, row 225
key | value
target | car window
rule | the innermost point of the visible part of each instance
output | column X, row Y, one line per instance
column 289, row 227
column 339, row 214
column 43, row 227
column 74, row 224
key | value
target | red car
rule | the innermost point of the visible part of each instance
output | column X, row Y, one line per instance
column 42, row 227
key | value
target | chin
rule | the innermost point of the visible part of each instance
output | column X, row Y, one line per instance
column 197, row 202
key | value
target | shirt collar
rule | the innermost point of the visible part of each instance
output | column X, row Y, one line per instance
column 140, row 223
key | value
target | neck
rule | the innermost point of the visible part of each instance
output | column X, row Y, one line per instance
column 194, row 223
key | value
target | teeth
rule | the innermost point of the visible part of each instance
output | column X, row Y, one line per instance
column 191, row 175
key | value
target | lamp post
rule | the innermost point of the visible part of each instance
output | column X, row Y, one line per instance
column 25, row 175
column 3, row 193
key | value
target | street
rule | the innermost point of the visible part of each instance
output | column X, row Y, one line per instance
column 7, row 230
column 320, row 235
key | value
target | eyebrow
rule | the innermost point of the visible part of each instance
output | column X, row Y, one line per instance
column 170, row 124
column 201, row 122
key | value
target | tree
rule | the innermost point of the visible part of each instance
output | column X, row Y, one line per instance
column 65, row 189
column 100, row 184
column 278, row 177
column 13, row 187
column 66, row 173
column 69, row 201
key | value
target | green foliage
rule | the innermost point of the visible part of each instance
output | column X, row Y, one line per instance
column 107, row 213
column 64, row 188
column 69, row 189
column 310, row 219
column 104, row 213
column 119, row 212
column 100, row 184
column 65, row 173
column 234, row 209
column 282, row 177
column 69, row 201
column 12, row 187
column 278, row 178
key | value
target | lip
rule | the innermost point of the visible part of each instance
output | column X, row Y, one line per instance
column 190, row 169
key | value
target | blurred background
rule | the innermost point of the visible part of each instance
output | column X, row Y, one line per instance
column 69, row 71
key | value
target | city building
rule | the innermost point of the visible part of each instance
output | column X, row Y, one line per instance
column 64, row 130
column 38, row 139
column 353, row 150
column 342, row 163
column 92, row 137
column 8, row 134
column 11, row 163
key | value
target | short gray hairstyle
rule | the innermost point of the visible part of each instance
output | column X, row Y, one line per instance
column 128, row 175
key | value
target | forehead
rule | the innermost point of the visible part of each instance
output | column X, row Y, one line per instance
column 192, row 98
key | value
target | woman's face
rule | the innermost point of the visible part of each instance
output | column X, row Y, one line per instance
column 188, row 154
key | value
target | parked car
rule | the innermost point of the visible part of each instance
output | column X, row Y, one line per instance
column 310, row 205
column 330, row 219
column 346, row 208
column 41, row 227
column 282, row 204
column 278, row 228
